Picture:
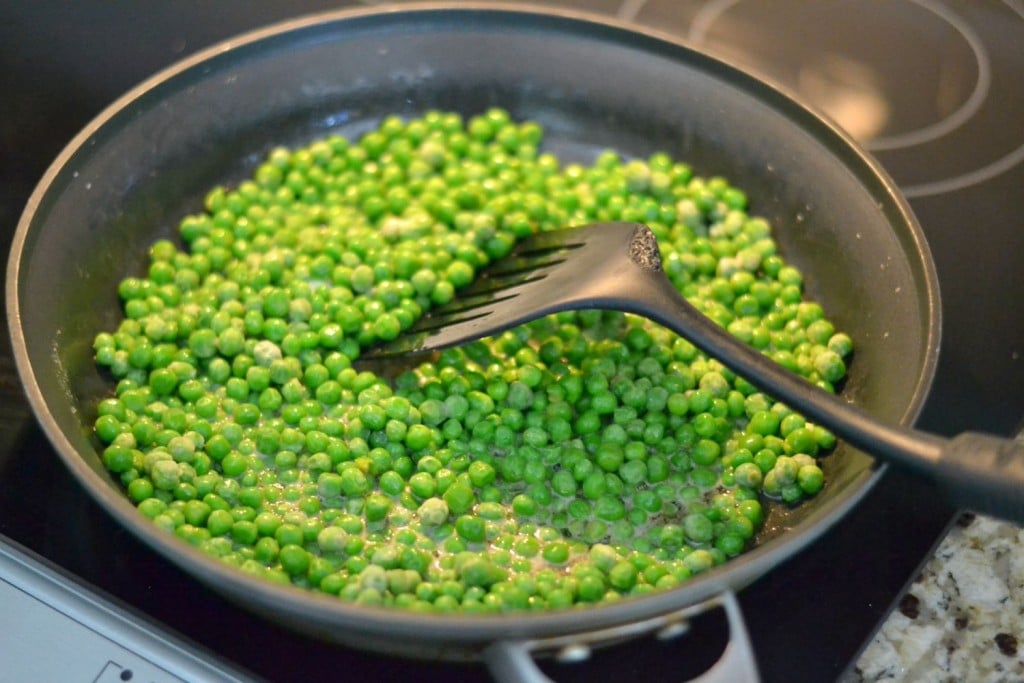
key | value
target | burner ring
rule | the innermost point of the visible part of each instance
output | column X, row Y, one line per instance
column 966, row 110
column 705, row 18
column 975, row 177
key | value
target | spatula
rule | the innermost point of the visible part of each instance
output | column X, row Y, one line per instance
column 617, row 266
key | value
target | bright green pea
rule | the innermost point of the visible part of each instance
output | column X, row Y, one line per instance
column 220, row 522
column 354, row 482
column 459, row 497
column 244, row 532
column 623, row 576
column 422, row 485
column 706, row 452
column 524, row 506
column 555, row 552
column 294, row 559
column 810, row 479
column 140, row 490
column 764, row 422
column 481, row 473
column 377, row 507
column 418, row 437
column 118, row 459
column 471, row 528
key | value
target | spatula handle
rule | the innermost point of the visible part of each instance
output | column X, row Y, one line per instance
column 983, row 473
column 976, row 471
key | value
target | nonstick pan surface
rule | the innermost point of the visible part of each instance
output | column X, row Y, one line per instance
column 130, row 176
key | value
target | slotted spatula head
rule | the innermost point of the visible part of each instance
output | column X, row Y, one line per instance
column 594, row 266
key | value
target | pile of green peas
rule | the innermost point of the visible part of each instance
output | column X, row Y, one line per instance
column 579, row 459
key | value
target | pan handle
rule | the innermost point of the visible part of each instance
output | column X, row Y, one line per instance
column 512, row 661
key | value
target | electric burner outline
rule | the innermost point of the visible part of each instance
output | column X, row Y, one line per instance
column 868, row 103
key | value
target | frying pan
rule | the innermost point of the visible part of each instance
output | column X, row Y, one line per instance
column 130, row 175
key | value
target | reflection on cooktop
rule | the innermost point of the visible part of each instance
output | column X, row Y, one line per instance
column 909, row 79
column 894, row 77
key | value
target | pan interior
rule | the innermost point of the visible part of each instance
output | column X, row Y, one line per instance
column 148, row 161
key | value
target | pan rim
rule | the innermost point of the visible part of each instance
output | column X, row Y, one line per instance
column 465, row 628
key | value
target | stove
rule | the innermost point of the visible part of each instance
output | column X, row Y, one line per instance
column 931, row 88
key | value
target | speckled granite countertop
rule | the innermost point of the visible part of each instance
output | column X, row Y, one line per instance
column 962, row 618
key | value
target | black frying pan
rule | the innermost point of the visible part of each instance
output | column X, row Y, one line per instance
column 127, row 179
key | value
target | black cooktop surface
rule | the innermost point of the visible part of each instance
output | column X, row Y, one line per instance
column 931, row 88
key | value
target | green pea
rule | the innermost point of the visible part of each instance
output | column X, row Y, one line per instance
column 481, row 572
column 591, row 588
column 609, row 508
column 524, row 506
column 140, row 490
column 555, row 552
column 623, row 576
column 220, row 522
column 810, row 479
column 698, row 528
column 433, row 512
column 471, row 528
column 459, row 497
column 748, row 474
column 764, row 423
column 705, row 452
column 594, row 485
column 354, row 482
column 765, row 460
